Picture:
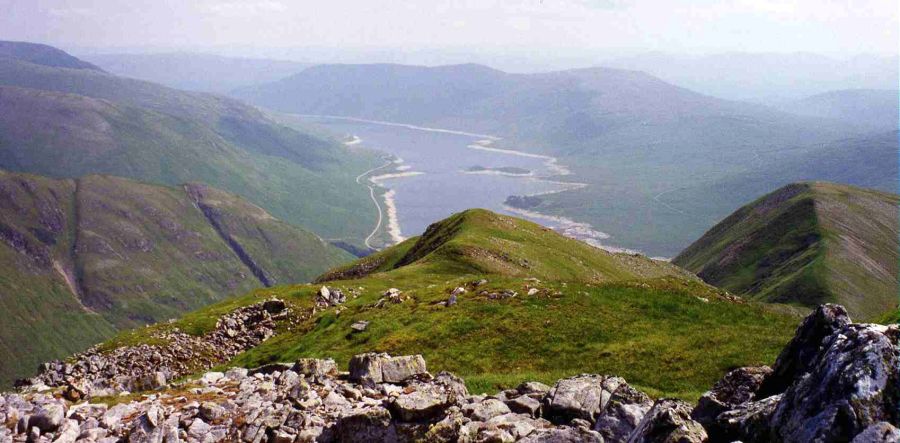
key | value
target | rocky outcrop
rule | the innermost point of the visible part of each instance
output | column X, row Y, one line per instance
column 148, row 367
column 834, row 381
column 844, row 388
column 383, row 398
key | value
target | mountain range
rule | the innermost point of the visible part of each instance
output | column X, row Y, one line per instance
column 649, row 150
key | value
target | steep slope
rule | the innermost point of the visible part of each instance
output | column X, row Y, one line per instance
column 85, row 257
column 806, row 244
column 873, row 109
column 197, row 71
column 66, row 122
column 631, row 137
column 536, row 305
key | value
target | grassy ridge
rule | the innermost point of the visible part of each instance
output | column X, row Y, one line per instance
column 591, row 312
column 807, row 244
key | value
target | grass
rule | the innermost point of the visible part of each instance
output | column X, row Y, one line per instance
column 136, row 253
column 665, row 333
column 807, row 244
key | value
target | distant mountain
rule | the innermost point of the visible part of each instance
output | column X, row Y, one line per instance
column 632, row 137
column 42, row 55
column 807, row 244
column 197, row 72
column 874, row 109
column 71, row 122
column 84, row 257
column 766, row 77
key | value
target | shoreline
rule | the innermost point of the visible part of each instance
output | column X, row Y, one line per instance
column 581, row 231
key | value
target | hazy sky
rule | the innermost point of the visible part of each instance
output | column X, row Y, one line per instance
column 825, row 26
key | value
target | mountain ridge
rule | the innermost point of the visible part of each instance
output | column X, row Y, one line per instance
column 807, row 243
column 115, row 253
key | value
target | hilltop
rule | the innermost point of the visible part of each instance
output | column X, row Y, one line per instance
column 807, row 244
column 500, row 300
column 83, row 258
column 66, row 122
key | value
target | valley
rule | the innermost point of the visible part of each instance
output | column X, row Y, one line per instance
column 433, row 173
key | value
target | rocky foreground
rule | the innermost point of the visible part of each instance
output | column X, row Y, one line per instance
column 836, row 381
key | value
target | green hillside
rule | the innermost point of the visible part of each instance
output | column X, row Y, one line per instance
column 587, row 311
column 66, row 122
column 84, row 257
column 807, row 244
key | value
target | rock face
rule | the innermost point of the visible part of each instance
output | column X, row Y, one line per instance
column 833, row 381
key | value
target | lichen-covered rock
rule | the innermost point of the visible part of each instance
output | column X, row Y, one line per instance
column 851, row 384
column 668, row 421
column 622, row 414
column 736, row 388
column 315, row 367
column 382, row 368
column 564, row 435
column 797, row 357
column 365, row 424
column 582, row 396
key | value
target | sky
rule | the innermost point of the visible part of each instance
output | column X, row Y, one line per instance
column 832, row 27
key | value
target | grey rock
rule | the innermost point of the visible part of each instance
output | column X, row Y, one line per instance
column 853, row 382
column 564, row 435
column 367, row 424
column 315, row 367
column 524, row 404
column 622, row 414
column 582, row 396
column 668, row 421
column 485, row 410
column 736, row 388
column 48, row 418
column 359, row 326
column 382, row 368
column 881, row 432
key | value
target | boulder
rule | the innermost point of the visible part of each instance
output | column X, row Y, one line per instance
column 398, row 369
column 623, row 413
column 48, row 418
column 882, row 432
column 315, row 367
column 485, row 410
column 852, row 383
column 359, row 326
column 563, row 435
column 382, row 368
column 582, row 396
column 668, row 421
column 367, row 424
column 797, row 357
column 421, row 402
column 524, row 404
column 734, row 389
